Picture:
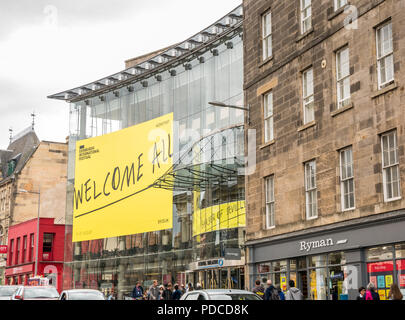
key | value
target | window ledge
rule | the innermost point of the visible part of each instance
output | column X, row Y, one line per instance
column 270, row 228
column 302, row 36
column 306, row 126
column 312, row 218
column 348, row 210
column 264, row 62
column 267, row 144
column 337, row 12
column 382, row 91
column 341, row 110
column 393, row 199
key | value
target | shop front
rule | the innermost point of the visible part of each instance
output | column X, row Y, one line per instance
column 332, row 264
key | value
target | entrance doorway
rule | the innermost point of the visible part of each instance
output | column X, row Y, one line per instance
column 218, row 278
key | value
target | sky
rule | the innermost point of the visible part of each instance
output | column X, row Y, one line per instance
column 48, row 46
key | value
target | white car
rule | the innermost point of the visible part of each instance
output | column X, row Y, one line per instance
column 81, row 294
column 220, row 294
column 6, row 292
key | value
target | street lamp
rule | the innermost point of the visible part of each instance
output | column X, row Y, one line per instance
column 223, row 105
column 36, row 242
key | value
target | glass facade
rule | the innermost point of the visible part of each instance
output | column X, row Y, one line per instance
column 169, row 255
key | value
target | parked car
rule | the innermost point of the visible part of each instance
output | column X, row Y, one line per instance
column 6, row 292
column 36, row 293
column 220, row 294
column 81, row 294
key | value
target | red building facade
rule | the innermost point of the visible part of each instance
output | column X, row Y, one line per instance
column 21, row 257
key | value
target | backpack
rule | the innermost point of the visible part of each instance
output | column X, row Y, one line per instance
column 369, row 296
column 274, row 295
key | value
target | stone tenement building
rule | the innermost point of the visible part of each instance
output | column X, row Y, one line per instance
column 326, row 203
column 27, row 166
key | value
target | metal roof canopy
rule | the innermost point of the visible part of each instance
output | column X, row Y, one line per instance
column 194, row 175
column 170, row 58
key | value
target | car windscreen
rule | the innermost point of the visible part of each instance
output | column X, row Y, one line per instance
column 30, row 293
column 233, row 296
column 86, row 296
column 7, row 291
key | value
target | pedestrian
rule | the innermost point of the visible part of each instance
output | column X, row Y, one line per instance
column 198, row 286
column 362, row 294
column 137, row 292
column 176, row 293
column 258, row 289
column 271, row 292
column 190, row 287
column 168, row 293
column 146, row 294
column 280, row 292
column 395, row 293
column 154, row 291
column 293, row 293
column 183, row 289
column 161, row 293
column 371, row 294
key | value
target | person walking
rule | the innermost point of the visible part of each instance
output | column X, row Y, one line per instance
column 280, row 292
column 395, row 293
column 176, row 293
column 189, row 287
column 293, row 293
column 154, row 291
column 167, row 293
column 258, row 289
column 183, row 289
column 161, row 293
column 137, row 292
column 371, row 294
column 362, row 294
column 271, row 292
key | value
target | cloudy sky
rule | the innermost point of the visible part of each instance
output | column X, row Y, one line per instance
column 47, row 46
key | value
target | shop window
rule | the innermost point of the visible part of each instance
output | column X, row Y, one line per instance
column 336, row 258
column 293, row 265
column 337, row 288
column 380, row 253
column 318, row 281
column 280, row 266
column 381, row 274
column 400, row 251
column 401, row 275
column 264, row 268
column 317, row 261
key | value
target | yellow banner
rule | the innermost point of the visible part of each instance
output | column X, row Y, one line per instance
column 113, row 177
column 219, row 217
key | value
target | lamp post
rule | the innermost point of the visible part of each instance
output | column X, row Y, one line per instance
column 37, row 240
column 223, row 105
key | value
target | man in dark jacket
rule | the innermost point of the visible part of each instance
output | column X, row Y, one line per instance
column 167, row 293
column 271, row 292
column 137, row 293
column 362, row 294
column 177, row 293
column 258, row 289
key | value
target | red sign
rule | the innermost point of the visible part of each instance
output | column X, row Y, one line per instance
column 19, row 270
column 402, row 280
column 3, row 249
column 380, row 267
